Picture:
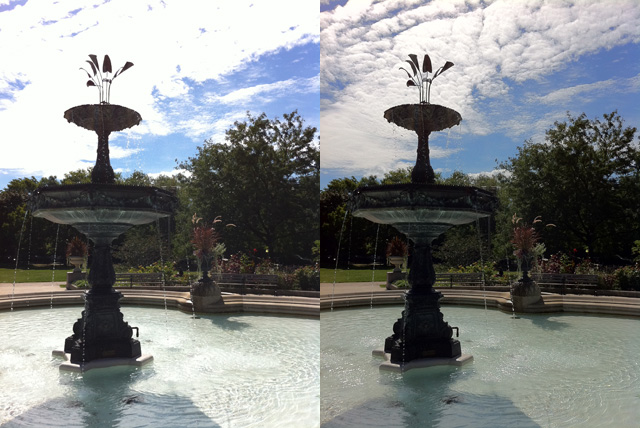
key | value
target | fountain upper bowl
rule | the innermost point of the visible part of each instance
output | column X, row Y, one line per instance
column 423, row 117
column 103, row 117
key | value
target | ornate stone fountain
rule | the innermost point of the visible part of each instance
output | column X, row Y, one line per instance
column 422, row 210
column 102, row 211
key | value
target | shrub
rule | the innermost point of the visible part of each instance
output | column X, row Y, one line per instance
column 476, row 267
column 238, row 263
column 168, row 269
column 401, row 283
column 627, row 278
column 558, row 263
column 81, row 283
column 286, row 281
column 266, row 267
column 586, row 267
column 307, row 278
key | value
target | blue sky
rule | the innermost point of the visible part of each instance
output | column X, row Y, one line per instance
column 519, row 67
column 198, row 66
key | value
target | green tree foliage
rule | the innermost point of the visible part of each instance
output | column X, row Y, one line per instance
column 145, row 244
column 264, row 179
column 585, row 179
column 43, row 239
column 14, row 218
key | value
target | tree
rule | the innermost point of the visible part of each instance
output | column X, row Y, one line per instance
column 586, row 180
column 16, row 220
column 265, row 181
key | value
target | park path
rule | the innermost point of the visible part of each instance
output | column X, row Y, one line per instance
column 7, row 288
column 327, row 288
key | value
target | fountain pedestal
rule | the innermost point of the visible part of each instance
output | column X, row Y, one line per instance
column 422, row 331
column 526, row 295
column 102, row 212
column 102, row 331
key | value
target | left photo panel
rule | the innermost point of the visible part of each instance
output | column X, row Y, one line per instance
column 159, row 213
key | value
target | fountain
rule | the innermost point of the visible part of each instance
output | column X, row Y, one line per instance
column 102, row 211
column 422, row 210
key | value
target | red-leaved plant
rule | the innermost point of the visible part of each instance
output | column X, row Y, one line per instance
column 525, row 242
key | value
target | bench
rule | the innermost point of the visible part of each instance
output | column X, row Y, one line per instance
column 450, row 278
column 139, row 278
column 252, row 280
column 565, row 280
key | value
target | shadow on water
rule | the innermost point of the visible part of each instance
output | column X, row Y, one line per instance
column 423, row 398
column 105, row 398
column 227, row 322
column 545, row 322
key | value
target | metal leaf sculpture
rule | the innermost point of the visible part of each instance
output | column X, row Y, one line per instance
column 106, row 64
column 426, row 64
column 422, row 79
column 103, row 80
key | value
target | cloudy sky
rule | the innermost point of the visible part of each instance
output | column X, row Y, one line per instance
column 198, row 66
column 519, row 67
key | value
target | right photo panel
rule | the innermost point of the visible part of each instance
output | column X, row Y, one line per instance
column 479, row 199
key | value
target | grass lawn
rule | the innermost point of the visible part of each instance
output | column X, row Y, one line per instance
column 34, row 274
column 354, row 274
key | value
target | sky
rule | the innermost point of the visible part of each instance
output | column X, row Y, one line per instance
column 199, row 66
column 520, row 66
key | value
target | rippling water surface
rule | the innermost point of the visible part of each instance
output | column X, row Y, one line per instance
column 216, row 371
column 556, row 370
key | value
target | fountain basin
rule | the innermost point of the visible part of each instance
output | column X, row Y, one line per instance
column 103, row 117
column 422, row 209
column 214, row 371
column 539, row 370
column 101, row 210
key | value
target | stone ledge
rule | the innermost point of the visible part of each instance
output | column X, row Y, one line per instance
column 553, row 303
column 248, row 303
column 102, row 363
column 421, row 363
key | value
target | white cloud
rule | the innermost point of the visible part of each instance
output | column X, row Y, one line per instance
column 171, row 173
column 589, row 91
column 247, row 96
column 496, row 47
column 492, row 173
column 172, row 43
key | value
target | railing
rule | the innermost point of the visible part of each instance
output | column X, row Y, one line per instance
column 139, row 278
column 246, row 279
column 562, row 280
column 565, row 280
column 458, row 278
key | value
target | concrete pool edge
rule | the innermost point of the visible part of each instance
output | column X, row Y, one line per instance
column 42, row 295
column 346, row 295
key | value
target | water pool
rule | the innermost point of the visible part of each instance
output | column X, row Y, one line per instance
column 216, row 371
column 536, row 371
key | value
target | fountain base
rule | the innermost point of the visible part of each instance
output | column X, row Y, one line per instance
column 102, row 331
column 68, row 366
column 422, row 331
column 420, row 363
